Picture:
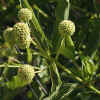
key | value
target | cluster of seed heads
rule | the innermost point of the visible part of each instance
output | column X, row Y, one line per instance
column 26, row 73
column 66, row 27
column 20, row 33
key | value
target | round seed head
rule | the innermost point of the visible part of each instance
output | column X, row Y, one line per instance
column 20, row 28
column 26, row 73
column 23, row 37
column 25, row 14
column 24, row 41
column 9, row 36
column 66, row 27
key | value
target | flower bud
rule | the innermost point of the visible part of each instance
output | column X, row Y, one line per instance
column 25, row 14
column 9, row 36
column 23, row 37
column 26, row 73
column 66, row 27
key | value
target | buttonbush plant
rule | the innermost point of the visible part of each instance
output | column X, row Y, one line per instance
column 49, row 50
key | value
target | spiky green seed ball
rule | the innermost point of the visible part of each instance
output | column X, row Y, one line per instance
column 21, row 27
column 25, row 14
column 23, row 37
column 66, row 27
column 26, row 73
column 9, row 36
column 23, row 41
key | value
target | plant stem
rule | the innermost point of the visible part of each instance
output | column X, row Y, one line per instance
column 34, row 43
column 39, row 71
column 94, row 89
column 52, row 80
column 5, row 65
column 69, row 72
column 29, row 55
column 40, row 11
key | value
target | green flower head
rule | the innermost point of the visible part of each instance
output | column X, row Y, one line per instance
column 66, row 27
column 25, row 14
column 23, row 37
column 26, row 73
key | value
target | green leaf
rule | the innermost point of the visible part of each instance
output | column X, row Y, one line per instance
column 29, row 55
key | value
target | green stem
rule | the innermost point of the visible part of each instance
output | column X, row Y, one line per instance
column 58, row 51
column 69, row 72
column 5, row 65
column 40, row 11
column 54, row 66
column 29, row 56
column 52, row 80
column 49, row 18
column 94, row 89
column 34, row 43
